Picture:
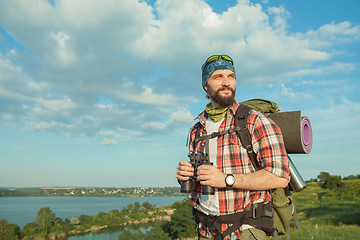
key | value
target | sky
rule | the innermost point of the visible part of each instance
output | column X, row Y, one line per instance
column 103, row 93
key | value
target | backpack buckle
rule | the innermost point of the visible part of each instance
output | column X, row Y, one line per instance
column 254, row 211
column 249, row 149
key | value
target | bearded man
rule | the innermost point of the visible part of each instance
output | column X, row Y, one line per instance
column 238, row 187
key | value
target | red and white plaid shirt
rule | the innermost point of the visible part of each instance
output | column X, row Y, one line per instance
column 232, row 158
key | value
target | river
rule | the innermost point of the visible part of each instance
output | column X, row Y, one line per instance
column 23, row 210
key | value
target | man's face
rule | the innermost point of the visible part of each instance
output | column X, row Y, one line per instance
column 221, row 87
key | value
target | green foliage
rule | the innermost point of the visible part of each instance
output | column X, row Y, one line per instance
column 182, row 223
column 348, row 190
column 352, row 177
column 323, row 176
column 157, row 233
column 126, row 234
column 9, row 231
column 146, row 206
column 341, row 189
column 44, row 219
column 75, row 221
column 137, row 206
column 332, row 182
column 29, row 229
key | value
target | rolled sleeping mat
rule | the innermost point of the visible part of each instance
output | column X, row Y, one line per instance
column 296, row 130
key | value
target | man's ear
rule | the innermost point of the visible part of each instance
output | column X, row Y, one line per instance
column 206, row 89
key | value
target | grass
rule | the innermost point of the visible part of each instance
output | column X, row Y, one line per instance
column 324, row 216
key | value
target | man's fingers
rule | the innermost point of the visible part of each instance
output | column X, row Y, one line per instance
column 181, row 178
column 184, row 170
column 184, row 163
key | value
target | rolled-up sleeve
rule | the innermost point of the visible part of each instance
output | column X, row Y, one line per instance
column 269, row 145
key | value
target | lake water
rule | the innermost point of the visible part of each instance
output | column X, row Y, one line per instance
column 23, row 210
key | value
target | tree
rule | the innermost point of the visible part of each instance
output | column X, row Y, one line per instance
column 130, row 208
column 125, row 235
column 323, row 176
column 59, row 221
column 101, row 215
column 332, row 182
column 44, row 219
column 351, row 177
column 137, row 206
column 146, row 205
column 9, row 231
column 156, row 233
column 114, row 213
column 182, row 223
column 67, row 225
column 29, row 229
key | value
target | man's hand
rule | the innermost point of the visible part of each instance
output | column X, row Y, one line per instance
column 211, row 176
column 184, row 170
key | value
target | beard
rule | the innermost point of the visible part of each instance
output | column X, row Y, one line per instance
column 223, row 101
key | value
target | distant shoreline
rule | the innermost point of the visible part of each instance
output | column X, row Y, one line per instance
column 91, row 192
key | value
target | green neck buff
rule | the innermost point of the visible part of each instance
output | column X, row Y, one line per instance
column 216, row 113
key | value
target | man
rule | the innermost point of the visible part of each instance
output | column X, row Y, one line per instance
column 238, row 187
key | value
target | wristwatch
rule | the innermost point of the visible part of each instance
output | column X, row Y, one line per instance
column 229, row 180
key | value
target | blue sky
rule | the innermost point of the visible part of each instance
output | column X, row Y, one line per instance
column 103, row 93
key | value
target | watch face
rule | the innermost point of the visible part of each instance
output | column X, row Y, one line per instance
column 230, row 180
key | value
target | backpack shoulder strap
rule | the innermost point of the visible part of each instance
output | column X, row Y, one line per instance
column 241, row 117
column 196, row 126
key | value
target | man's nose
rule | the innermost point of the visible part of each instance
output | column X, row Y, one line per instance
column 226, row 81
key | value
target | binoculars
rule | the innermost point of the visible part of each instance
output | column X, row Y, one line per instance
column 197, row 160
column 296, row 183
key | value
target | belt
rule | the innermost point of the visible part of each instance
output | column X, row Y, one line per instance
column 259, row 216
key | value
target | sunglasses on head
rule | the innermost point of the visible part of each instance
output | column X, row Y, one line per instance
column 214, row 58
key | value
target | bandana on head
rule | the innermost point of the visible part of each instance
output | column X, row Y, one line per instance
column 213, row 66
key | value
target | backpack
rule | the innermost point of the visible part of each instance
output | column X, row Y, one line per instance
column 282, row 199
column 283, row 206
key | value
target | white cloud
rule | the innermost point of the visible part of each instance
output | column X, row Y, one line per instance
column 146, row 61
column 106, row 133
column 179, row 119
column 154, row 126
column 336, row 67
column 64, row 53
column 211, row 19
column 109, row 142
column 333, row 34
column 57, row 105
column 37, row 86
column 104, row 106
column 280, row 15
column 289, row 93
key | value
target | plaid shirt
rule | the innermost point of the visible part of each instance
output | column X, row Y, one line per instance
column 232, row 158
